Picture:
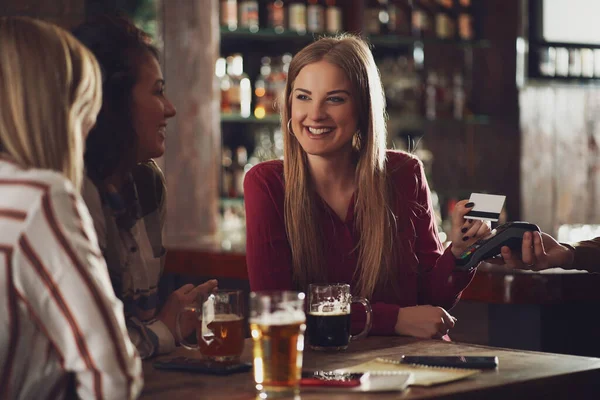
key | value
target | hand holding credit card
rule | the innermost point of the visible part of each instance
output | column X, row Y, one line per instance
column 487, row 206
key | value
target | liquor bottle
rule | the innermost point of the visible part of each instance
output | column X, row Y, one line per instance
column 459, row 97
column 248, row 15
column 239, row 172
column 333, row 16
column 229, row 14
column 277, row 80
column 399, row 17
column 240, row 93
column 431, row 95
column 262, row 90
column 276, row 16
column 420, row 19
column 444, row 21
column 297, row 16
column 465, row 20
column 315, row 16
column 372, row 25
column 227, row 187
column 224, row 84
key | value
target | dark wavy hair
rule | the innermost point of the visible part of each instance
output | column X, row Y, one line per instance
column 120, row 48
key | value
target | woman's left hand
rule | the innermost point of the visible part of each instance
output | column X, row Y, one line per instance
column 465, row 232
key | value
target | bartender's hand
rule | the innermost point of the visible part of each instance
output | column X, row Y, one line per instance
column 539, row 251
column 425, row 322
column 465, row 232
column 177, row 301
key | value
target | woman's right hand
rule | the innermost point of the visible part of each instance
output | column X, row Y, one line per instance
column 177, row 301
column 424, row 322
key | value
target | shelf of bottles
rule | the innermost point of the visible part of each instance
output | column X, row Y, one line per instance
column 564, row 61
column 258, row 39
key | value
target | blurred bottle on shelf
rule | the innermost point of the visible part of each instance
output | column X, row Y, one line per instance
column 229, row 14
column 224, row 84
column 297, row 16
column 430, row 96
column 587, row 63
column 444, row 20
column 276, row 15
column 466, row 30
column 421, row 21
column 399, row 12
column 239, row 171
column 315, row 16
column 377, row 17
column 547, row 61
column 459, row 97
column 240, row 92
column 248, row 15
column 333, row 16
column 263, row 93
column 277, row 81
column 227, row 186
column 574, row 63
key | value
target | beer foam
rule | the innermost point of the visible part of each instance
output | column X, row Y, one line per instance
column 336, row 313
column 332, row 307
column 224, row 318
column 279, row 318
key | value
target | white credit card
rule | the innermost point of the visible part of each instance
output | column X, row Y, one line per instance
column 487, row 206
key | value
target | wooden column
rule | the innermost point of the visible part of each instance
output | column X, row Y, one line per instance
column 65, row 13
column 192, row 160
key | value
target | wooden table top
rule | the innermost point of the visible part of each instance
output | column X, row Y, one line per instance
column 521, row 374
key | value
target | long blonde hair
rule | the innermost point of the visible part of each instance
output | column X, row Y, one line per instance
column 374, row 218
column 50, row 85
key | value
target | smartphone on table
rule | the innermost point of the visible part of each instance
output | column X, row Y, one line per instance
column 202, row 366
column 474, row 362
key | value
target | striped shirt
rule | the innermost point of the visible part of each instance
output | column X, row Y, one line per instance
column 61, row 326
column 129, row 225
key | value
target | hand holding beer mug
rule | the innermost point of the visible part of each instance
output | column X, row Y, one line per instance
column 329, row 317
column 277, row 322
column 219, row 325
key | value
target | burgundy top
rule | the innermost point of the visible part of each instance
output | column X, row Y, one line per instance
column 269, row 257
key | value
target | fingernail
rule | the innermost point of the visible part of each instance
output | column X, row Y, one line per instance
column 465, row 238
column 469, row 204
column 464, row 230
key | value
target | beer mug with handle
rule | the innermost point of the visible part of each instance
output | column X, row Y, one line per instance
column 328, row 319
column 219, row 325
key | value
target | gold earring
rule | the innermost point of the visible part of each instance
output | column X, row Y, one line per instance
column 289, row 126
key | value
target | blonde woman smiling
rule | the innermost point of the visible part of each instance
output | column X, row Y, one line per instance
column 341, row 208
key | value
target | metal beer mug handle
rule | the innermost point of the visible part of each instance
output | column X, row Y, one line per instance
column 368, row 322
column 180, row 338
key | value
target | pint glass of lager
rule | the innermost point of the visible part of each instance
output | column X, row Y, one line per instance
column 217, row 321
column 328, row 317
column 277, row 323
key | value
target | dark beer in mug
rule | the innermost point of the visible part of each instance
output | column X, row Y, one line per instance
column 328, row 330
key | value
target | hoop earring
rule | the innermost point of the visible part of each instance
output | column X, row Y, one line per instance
column 356, row 140
column 289, row 126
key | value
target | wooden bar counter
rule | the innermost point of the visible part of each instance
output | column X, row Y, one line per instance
column 553, row 311
column 520, row 374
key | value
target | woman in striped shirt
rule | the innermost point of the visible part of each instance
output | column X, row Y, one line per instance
column 125, row 190
column 62, row 331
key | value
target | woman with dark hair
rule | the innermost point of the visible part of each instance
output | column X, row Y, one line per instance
column 125, row 190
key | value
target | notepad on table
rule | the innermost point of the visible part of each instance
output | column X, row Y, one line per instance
column 422, row 375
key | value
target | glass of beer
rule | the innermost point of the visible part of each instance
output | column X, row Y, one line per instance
column 328, row 317
column 218, row 319
column 277, row 323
